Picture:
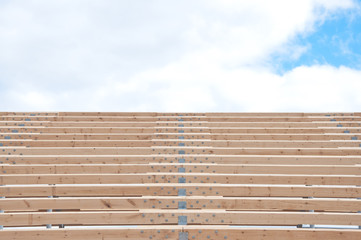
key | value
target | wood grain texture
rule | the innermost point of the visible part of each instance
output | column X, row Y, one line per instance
column 154, row 170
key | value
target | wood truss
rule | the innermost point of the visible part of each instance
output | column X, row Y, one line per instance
column 97, row 176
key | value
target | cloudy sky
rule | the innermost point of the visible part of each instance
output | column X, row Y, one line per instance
column 189, row 55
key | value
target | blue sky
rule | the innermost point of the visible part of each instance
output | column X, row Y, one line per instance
column 157, row 55
column 336, row 42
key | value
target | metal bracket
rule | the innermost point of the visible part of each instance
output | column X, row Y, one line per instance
column 183, row 236
column 181, row 160
column 182, row 220
column 181, row 170
column 182, row 192
column 181, row 180
column 182, row 205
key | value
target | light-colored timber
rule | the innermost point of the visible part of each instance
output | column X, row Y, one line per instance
column 200, row 217
column 173, row 232
column 129, row 178
column 171, row 202
column 173, row 167
column 180, row 175
column 191, row 189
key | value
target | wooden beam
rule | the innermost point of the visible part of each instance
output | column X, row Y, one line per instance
column 202, row 217
column 10, row 179
column 176, row 142
column 175, row 150
column 185, row 118
column 171, row 202
column 191, row 189
column 239, row 130
column 172, row 136
column 191, row 158
column 172, row 232
column 188, row 167
column 177, row 123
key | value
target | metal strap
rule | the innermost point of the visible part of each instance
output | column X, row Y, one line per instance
column 182, row 220
column 183, row 236
column 182, row 192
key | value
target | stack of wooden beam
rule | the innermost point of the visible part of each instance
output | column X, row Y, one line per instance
column 87, row 175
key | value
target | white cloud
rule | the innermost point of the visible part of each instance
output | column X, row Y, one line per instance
column 209, row 55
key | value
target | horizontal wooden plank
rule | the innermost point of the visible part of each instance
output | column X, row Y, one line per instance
column 300, row 114
column 9, row 179
column 172, row 189
column 176, row 167
column 168, row 124
column 108, row 130
column 29, row 113
column 172, row 232
column 226, row 159
column 176, row 150
column 291, row 137
column 171, row 202
column 159, row 136
column 185, row 142
column 158, row 216
column 198, row 117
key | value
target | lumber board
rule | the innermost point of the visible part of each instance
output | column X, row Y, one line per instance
column 176, row 167
column 171, row 202
column 191, row 189
column 183, row 118
column 202, row 217
column 166, row 136
column 209, row 130
column 201, row 158
column 295, row 179
column 172, row 232
column 300, row 114
column 177, row 123
column 177, row 142
column 176, row 150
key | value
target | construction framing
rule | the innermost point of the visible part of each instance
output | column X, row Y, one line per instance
column 99, row 175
